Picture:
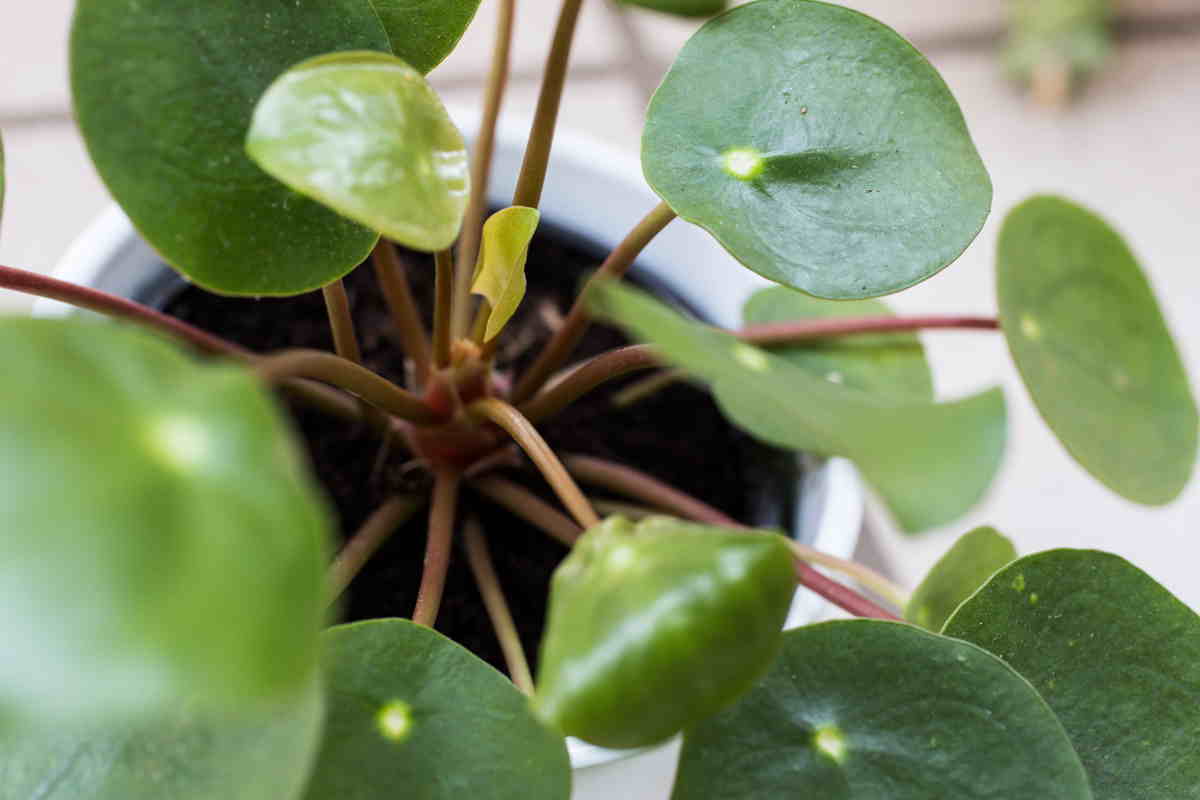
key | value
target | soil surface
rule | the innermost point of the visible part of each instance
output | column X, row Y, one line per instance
column 677, row 435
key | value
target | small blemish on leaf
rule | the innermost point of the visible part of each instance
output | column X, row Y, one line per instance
column 395, row 720
column 1031, row 328
column 1120, row 379
column 1018, row 582
column 830, row 741
column 751, row 357
column 1033, row 598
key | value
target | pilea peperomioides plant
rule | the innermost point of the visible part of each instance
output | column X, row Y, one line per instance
column 163, row 549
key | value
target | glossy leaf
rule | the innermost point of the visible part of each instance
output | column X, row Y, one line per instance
column 1115, row 655
column 412, row 714
column 1090, row 342
column 425, row 32
column 161, row 537
column 681, row 8
column 966, row 566
column 500, row 270
column 184, row 756
column 837, row 163
column 865, row 709
column 930, row 462
column 163, row 95
column 891, row 365
column 365, row 134
column 652, row 627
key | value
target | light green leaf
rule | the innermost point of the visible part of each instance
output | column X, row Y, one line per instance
column 412, row 714
column 837, row 162
column 366, row 135
column 681, row 8
column 891, row 365
column 653, row 627
column 930, row 462
column 1090, row 342
column 1115, row 655
column 163, row 94
column 425, row 32
column 183, row 756
column 500, row 271
column 865, row 709
column 161, row 538
column 965, row 567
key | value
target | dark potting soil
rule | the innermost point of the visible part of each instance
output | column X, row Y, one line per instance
column 677, row 435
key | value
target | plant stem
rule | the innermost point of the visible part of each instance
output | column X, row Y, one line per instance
column 567, row 337
column 525, row 435
column 529, row 507
column 437, row 547
column 443, row 306
column 778, row 333
column 647, row 387
column 407, row 319
column 369, row 538
column 341, row 321
column 584, row 377
column 374, row 389
column 541, row 135
column 481, row 166
column 497, row 607
column 635, row 483
column 111, row 305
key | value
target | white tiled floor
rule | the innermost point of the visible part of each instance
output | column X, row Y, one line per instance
column 1129, row 149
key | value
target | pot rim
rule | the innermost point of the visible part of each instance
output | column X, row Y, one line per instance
column 833, row 505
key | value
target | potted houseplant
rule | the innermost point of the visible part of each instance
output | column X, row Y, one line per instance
column 163, row 571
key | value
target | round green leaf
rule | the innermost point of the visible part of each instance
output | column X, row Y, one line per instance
column 159, row 537
column 366, row 135
column 425, row 32
column 681, row 8
column 500, row 269
column 930, row 462
column 183, row 756
column 1090, row 342
column 965, row 567
column 864, row 709
column 818, row 147
column 1115, row 655
column 163, row 94
column 892, row 365
column 654, row 626
column 412, row 714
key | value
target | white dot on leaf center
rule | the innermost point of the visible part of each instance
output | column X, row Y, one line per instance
column 743, row 163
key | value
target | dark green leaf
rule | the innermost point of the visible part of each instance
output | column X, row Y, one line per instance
column 965, row 567
column 500, row 270
column 1115, row 655
column 681, row 8
column 163, row 94
column 836, row 162
column 425, row 32
column 865, row 710
column 652, row 627
column 365, row 134
column 412, row 714
column 930, row 462
column 892, row 365
column 161, row 538
column 184, row 756
column 1092, row 347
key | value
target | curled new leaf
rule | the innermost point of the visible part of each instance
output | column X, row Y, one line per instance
column 1087, row 335
column 500, row 271
column 930, row 462
column 1115, row 655
column 365, row 134
column 652, row 627
column 965, row 567
column 413, row 714
column 864, row 710
column 161, row 538
column 819, row 147
column 163, row 93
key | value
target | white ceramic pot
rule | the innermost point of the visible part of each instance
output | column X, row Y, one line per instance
column 597, row 193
